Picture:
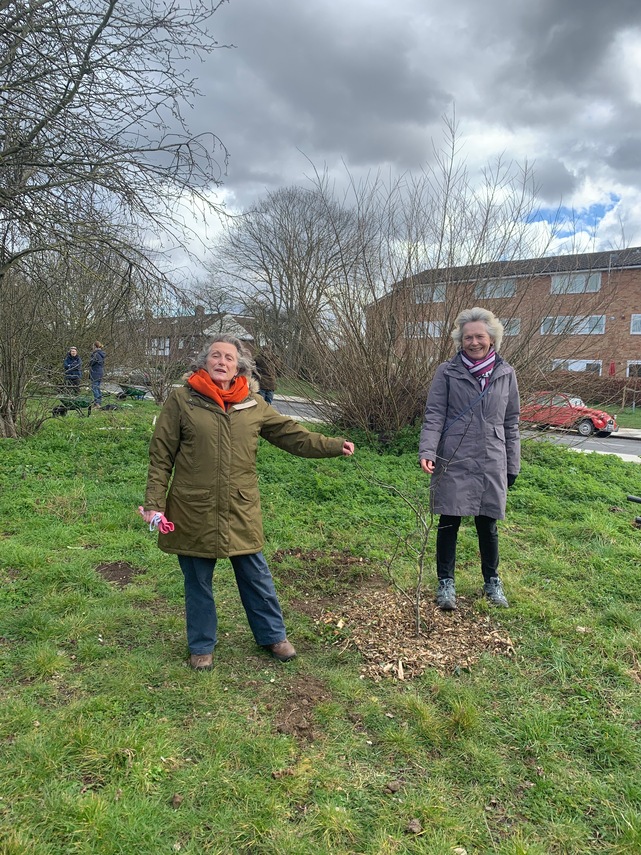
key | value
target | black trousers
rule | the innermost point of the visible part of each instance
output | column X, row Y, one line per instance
column 446, row 535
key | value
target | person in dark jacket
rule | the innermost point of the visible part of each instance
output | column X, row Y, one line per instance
column 204, row 445
column 266, row 371
column 96, row 372
column 73, row 370
column 470, row 445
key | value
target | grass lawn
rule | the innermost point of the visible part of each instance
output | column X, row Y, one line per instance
column 110, row 744
column 628, row 418
column 295, row 387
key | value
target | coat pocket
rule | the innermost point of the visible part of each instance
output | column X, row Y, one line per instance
column 248, row 495
column 190, row 494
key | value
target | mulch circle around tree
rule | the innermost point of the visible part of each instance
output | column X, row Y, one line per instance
column 381, row 625
column 368, row 615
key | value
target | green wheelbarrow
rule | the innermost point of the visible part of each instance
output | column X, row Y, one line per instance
column 136, row 392
column 68, row 404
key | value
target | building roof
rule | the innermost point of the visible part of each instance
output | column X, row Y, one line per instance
column 201, row 323
column 587, row 261
column 233, row 325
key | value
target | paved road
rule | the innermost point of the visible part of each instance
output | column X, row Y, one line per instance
column 627, row 449
column 297, row 408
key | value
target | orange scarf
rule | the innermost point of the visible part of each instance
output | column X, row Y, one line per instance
column 202, row 383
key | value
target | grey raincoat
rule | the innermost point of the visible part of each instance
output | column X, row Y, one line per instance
column 473, row 440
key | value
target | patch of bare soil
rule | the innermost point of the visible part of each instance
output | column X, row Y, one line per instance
column 381, row 625
column 119, row 572
column 338, row 566
column 315, row 555
column 296, row 717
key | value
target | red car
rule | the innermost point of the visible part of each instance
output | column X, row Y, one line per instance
column 556, row 409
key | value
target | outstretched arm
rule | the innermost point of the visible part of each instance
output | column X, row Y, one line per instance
column 283, row 432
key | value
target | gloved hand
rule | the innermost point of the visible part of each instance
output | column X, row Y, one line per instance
column 510, row 480
column 156, row 520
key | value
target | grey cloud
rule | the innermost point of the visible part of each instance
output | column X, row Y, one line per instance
column 627, row 155
column 554, row 180
column 554, row 45
column 299, row 78
column 365, row 82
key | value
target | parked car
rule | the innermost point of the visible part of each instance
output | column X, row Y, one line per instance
column 557, row 409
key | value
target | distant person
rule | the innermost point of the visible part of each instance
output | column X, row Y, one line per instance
column 266, row 372
column 202, row 476
column 73, row 371
column 96, row 372
column 470, row 445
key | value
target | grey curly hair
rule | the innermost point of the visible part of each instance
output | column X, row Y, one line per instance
column 246, row 364
column 492, row 323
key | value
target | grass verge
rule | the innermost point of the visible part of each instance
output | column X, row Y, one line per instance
column 111, row 745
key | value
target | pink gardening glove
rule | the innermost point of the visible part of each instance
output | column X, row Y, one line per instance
column 156, row 520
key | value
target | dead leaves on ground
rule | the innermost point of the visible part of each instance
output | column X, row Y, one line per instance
column 381, row 625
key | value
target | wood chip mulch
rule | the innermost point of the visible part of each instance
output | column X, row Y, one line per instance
column 381, row 625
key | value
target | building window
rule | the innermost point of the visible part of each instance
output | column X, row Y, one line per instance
column 592, row 366
column 495, row 288
column 423, row 329
column 430, row 293
column 159, row 347
column 634, row 368
column 635, row 325
column 511, row 326
column 576, row 283
column 574, row 325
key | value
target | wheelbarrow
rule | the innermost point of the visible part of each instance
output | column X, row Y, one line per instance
column 136, row 392
column 68, row 404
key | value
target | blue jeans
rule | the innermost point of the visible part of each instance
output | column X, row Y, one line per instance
column 267, row 394
column 97, row 394
column 257, row 594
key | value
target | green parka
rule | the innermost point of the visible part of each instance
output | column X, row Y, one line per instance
column 213, row 499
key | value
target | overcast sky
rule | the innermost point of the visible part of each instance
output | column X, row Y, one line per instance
column 366, row 83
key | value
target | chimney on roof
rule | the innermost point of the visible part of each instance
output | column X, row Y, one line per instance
column 200, row 312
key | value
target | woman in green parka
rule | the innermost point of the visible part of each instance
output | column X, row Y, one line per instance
column 207, row 436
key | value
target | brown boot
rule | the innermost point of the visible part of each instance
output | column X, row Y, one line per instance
column 283, row 650
column 201, row 661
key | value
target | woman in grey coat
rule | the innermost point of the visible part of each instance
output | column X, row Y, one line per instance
column 470, row 446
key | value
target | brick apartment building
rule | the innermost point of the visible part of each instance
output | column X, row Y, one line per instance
column 577, row 312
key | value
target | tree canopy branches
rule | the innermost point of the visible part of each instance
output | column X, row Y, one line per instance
column 95, row 155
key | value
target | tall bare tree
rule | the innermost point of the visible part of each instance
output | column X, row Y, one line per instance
column 282, row 261
column 427, row 246
column 94, row 147
column 388, row 326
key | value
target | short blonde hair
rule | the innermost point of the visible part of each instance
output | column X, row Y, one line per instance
column 492, row 323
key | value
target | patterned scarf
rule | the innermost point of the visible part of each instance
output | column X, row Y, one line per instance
column 480, row 368
column 202, row 382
